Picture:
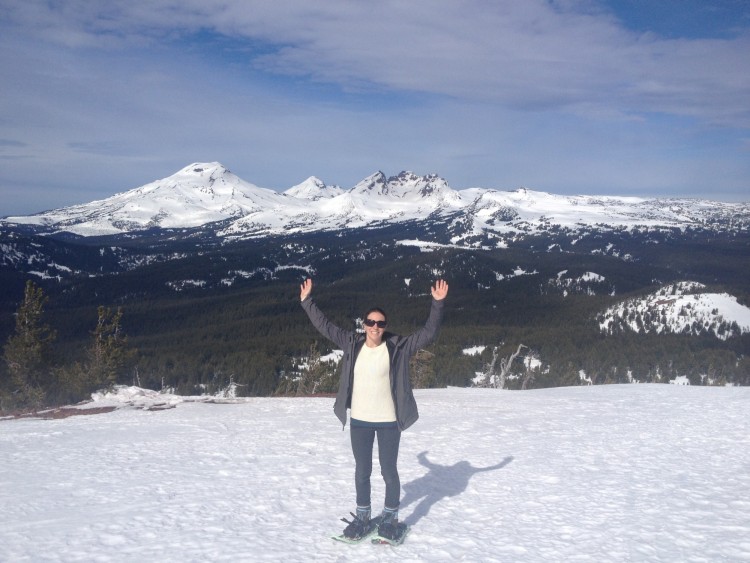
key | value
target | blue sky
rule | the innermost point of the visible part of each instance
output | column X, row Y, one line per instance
column 623, row 97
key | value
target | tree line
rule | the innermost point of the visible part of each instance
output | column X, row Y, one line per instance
column 31, row 379
column 254, row 336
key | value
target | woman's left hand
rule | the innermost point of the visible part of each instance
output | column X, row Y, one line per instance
column 305, row 289
column 440, row 290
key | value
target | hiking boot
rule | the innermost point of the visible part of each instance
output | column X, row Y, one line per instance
column 389, row 527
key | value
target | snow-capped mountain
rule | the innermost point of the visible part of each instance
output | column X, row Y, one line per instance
column 196, row 195
column 208, row 194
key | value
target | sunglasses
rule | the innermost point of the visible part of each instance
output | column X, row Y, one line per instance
column 373, row 322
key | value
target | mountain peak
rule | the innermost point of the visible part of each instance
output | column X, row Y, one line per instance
column 200, row 173
column 201, row 167
column 374, row 184
column 313, row 188
column 407, row 183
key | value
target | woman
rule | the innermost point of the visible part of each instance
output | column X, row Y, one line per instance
column 375, row 386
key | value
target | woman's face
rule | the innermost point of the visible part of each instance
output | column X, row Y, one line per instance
column 374, row 333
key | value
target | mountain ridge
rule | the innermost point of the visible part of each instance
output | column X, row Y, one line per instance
column 205, row 194
column 583, row 298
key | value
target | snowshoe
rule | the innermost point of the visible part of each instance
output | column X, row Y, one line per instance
column 391, row 533
column 357, row 529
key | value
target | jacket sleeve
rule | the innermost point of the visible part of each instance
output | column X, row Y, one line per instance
column 425, row 335
column 334, row 333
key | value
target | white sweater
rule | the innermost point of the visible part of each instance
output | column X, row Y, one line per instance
column 371, row 396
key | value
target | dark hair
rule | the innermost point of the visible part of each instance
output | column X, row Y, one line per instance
column 376, row 310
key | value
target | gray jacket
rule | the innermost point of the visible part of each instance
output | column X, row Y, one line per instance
column 400, row 350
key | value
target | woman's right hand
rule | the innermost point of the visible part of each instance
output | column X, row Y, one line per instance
column 305, row 289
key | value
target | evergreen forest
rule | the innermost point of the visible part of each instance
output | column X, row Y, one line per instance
column 178, row 311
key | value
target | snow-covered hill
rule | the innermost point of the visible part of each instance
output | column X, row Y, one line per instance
column 652, row 473
column 208, row 193
column 589, row 283
column 680, row 308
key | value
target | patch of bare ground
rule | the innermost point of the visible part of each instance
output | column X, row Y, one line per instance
column 65, row 412
column 49, row 414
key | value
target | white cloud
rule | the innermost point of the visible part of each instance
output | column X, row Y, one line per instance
column 552, row 95
column 531, row 54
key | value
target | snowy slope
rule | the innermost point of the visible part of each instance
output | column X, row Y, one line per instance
column 313, row 188
column 196, row 195
column 653, row 473
column 589, row 283
column 205, row 193
column 680, row 308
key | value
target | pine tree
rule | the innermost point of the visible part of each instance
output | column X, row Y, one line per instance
column 311, row 374
column 25, row 352
column 108, row 354
column 422, row 369
column 106, row 359
column 317, row 376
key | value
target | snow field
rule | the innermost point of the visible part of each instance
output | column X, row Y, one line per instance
column 616, row 473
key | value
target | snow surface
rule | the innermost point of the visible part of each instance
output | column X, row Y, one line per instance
column 604, row 473
column 473, row 350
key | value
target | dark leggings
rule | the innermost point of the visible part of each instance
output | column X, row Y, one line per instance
column 363, row 438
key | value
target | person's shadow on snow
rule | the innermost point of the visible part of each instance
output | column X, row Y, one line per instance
column 441, row 482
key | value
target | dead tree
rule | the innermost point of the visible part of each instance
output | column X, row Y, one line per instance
column 493, row 378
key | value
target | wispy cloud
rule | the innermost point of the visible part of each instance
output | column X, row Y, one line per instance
column 528, row 55
column 560, row 94
column 11, row 143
